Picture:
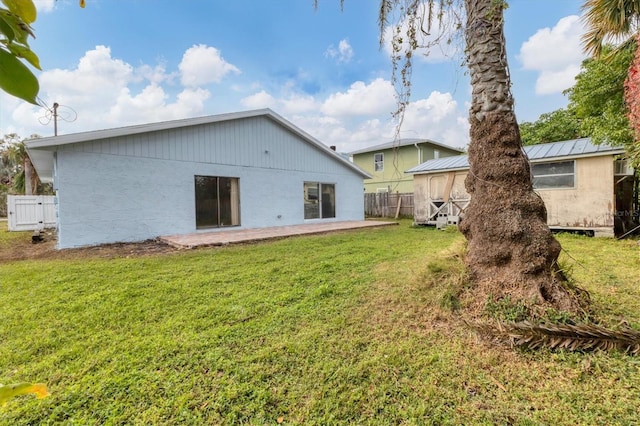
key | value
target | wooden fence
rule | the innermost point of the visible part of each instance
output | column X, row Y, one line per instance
column 388, row 204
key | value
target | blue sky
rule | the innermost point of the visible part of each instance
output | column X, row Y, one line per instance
column 123, row 62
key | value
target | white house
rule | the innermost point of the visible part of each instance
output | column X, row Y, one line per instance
column 249, row 169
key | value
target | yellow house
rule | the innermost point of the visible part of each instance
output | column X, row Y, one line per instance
column 585, row 188
column 386, row 163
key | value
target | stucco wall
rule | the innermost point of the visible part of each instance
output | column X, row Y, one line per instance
column 591, row 203
column 110, row 194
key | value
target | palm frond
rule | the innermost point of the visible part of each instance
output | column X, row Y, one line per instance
column 581, row 337
column 604, row 19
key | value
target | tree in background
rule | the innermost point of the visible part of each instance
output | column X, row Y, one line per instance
column 597, row 98
column 596, row 105
column 608, row 20
column 559, row 125
column 632, row 100
column 18, row 171
column 617, row 20
column 511, row 251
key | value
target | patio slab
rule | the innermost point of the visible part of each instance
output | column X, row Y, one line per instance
column 220, row 238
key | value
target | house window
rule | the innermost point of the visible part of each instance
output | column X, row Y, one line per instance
column 217, row 202
column 553, row 175
column 319, row 200
column 436, row 154
column 378, row 162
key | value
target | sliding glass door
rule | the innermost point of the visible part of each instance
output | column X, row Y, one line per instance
column 319, row 200
column 217, row 202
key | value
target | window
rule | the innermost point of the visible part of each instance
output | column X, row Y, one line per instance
column 319, row 200
column 217, row 202
column 436, row 154
column 378, row 162
column 553, row 175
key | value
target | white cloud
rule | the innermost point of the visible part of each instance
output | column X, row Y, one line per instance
column 104, row 92
column 344, row 52
column 299, row 103
column 556, row 54
column 258, row 100
column 97, row 74
column 44, row 5
column 376, row 97
column 107, row 92
column 550, row 82
column 441, row 43
column 291, row 103
column 202, row 65
column 437, row 117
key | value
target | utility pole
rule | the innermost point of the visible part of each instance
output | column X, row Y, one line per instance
column 55, row 118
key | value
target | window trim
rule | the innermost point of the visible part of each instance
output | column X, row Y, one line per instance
column 234, row 203
column 378, row 164
column 572, row 174
column 317, row 200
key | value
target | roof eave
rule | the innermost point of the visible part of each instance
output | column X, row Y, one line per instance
column 50, row 143
column 95, row 135
column 430, row 172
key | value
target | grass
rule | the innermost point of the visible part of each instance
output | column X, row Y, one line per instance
column 331, row 329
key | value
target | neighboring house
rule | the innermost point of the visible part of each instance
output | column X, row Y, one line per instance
column 249, row 169
column 387, row 163
column 585, row 187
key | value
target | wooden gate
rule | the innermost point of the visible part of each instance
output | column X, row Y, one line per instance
column 31, row 212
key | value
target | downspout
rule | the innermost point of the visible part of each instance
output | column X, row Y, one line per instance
column 419, row 153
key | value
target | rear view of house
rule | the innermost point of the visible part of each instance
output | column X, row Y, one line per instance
column 247, row 170
column 585, row 187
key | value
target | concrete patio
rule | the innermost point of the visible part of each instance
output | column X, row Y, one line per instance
column 235, row 236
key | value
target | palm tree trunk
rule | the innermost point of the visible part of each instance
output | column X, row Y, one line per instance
column 28, row 188
column 511, row 250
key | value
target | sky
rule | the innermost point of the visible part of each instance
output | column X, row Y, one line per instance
column 122, row 62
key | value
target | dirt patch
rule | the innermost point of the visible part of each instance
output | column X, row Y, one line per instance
column 25, row 249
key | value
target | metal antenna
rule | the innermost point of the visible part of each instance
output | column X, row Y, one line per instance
column 62, row 112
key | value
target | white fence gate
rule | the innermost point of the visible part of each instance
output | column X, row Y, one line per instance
column 31, row 212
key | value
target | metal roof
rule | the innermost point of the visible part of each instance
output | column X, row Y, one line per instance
column 403, row 142
column 575, row 148
column 41, row 150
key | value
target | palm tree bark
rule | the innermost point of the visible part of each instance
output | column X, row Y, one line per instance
column 29, row 175
column 510, row 247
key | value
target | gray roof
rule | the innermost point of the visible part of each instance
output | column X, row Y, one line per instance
column 404, row 142
column 41, row 150
column 575, row 148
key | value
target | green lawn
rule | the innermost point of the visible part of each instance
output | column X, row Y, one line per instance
column 329, row 329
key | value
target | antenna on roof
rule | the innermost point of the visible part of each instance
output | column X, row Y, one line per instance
column 67, row 114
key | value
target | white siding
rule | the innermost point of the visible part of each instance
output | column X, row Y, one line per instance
column 139, row 187
column 250, row 142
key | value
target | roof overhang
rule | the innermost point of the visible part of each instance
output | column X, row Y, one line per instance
column 41, row 150
column 43, row 161
column 612, row 152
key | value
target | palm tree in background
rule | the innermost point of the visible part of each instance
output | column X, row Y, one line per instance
column 618, row 20
column 17, row 164
column 608, row 20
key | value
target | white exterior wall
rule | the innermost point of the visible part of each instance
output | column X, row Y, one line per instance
column 132, row 189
